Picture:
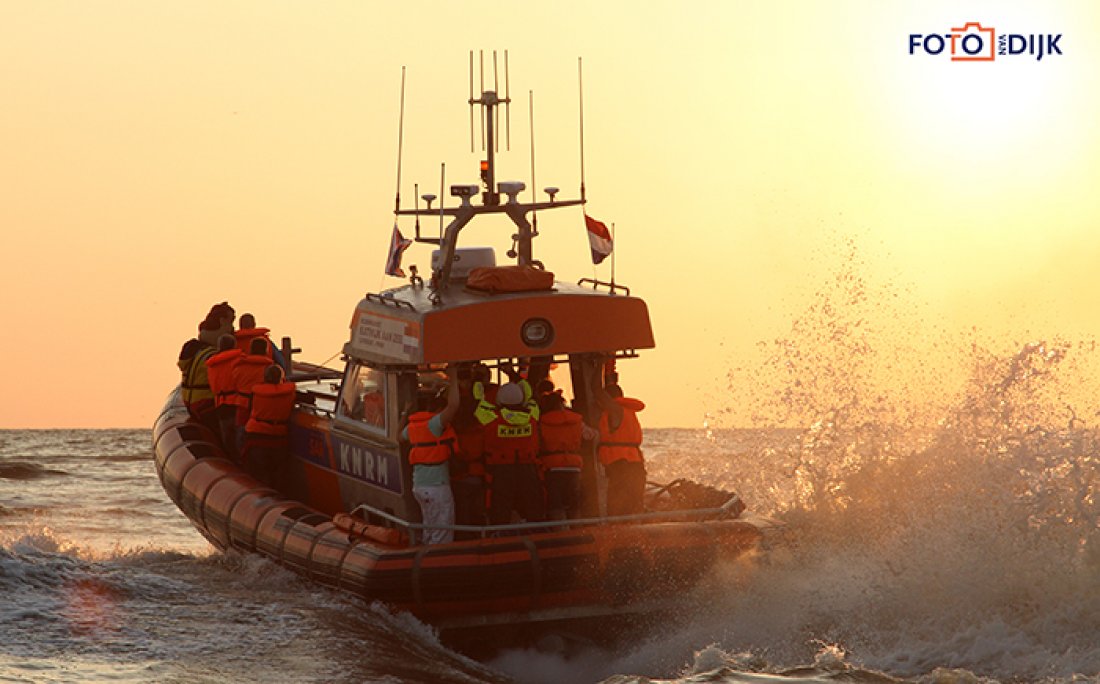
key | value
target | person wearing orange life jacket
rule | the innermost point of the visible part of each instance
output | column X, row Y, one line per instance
column 510, row 429
column 266, row 434
column 620, row 450
column 468, row 465
column 561, row 432
column 248, row 332
column 247, row 372
column 432, row 442
column 194, row 384
column 219, row 372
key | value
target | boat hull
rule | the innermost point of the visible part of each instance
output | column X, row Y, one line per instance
column 574, row 574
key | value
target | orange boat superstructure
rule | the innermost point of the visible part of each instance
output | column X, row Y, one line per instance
column 346, row 516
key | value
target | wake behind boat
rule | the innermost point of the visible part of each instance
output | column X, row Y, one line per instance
column 342, row 510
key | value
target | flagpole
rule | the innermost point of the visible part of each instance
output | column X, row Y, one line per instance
column 613, row 250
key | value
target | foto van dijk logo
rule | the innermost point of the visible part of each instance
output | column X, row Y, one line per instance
column 973, row 42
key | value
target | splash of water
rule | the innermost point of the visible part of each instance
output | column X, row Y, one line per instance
column 942, row 517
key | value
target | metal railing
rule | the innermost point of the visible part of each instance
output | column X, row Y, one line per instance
column 722, row 512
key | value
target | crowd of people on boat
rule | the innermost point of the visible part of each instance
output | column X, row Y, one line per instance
column 486, row 453
column 234, row 383
column 481, row 452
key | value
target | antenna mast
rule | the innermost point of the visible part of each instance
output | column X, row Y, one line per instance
column 490, row 117
column 524, row 215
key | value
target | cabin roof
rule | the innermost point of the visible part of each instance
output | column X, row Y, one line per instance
column 404, row 326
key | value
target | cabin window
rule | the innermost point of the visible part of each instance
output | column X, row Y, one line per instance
column 363, row 397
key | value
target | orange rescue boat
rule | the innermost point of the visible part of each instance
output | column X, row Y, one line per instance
column 345, row 515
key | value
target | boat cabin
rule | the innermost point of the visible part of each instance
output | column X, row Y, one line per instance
column 402, row 340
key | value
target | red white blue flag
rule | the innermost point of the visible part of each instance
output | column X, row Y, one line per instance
column 398, row 245
column 599, row 239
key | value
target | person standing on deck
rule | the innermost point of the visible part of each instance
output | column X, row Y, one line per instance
column 266, row 434
column 194, row 384
column 248, row 332
column 468, row 464
column 561, row 432
column 219, row 372
column 620, row 450
column 247, row 373
column 510, row 428
column 432, row 445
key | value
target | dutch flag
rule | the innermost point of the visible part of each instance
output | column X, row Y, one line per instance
column 398, row 245
column 599, row 239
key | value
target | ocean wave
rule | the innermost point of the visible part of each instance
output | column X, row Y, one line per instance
column 23, row 470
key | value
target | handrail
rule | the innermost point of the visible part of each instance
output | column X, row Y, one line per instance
column 719, row 513
column 389, row 301
column 612, row 287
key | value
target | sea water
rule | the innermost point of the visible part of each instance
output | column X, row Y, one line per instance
column 959, row 555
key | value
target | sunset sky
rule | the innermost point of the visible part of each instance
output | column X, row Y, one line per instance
column 159, row 157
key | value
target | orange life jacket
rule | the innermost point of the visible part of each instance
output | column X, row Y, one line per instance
column 219, row 372
column 428, row 449
column 624, row 443
column 470, row 459
column 271, row 408
column 245, row 337
column 509, row 442
column 560, row 433
column 248, row 372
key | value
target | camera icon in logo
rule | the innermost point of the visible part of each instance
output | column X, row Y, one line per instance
column 972, row 43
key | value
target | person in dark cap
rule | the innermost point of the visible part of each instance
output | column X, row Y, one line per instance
column 510, row 428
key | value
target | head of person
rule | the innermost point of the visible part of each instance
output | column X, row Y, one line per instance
column 552, row 401
column 273, row 374
column 227, row 342
column 218, row 321
column 480, row 373
column 510, row 395
column 258, row 346
column 248, row 321
column 222, row 312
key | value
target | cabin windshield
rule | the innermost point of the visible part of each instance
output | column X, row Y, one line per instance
column 363, row 397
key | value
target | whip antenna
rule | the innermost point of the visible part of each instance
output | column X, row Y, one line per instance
column 507, row 108
column 416, row 205
column 534, row 191
column 471, row 101
column 580, row 91
column 481, row 110
column 442, row 182
column 496, row 110
column 400, row 141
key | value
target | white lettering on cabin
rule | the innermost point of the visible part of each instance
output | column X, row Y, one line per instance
column 362, row 463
